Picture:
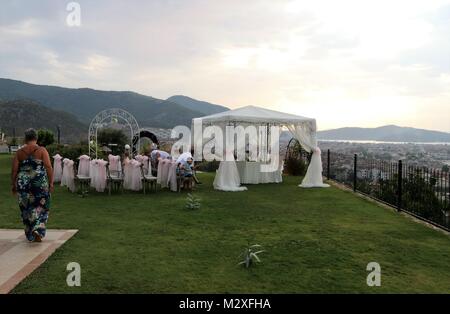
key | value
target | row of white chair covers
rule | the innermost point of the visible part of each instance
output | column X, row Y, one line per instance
column 96, row 170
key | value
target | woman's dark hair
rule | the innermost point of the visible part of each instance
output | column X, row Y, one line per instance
column 30, row 135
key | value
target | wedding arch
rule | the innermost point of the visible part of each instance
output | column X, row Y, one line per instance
column 143, row 133
column 107, row 117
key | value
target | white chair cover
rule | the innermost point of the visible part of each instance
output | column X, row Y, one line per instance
column 127, row 173
column 65, row 172
column 100, row 175
column 93, row 171
column 172, row 176
column 159, row 172
column 227, row 177
column 136, row 176
column 114, row 163
column 68, row 177
column 144, row 160
column 57, row 168
column 163, row 172
column 150, row 165
column 84, row 166
column 146, row 164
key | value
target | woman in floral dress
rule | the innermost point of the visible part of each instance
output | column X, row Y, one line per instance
column 32, row 182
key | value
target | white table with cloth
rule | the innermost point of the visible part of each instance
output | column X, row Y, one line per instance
column 250, row 173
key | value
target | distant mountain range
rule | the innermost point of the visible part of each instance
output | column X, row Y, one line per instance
column 25, row 104
column 388, row 133
column 85, row 103
column 197, row 105
column 19, row 115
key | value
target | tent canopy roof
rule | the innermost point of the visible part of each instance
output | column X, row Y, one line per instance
column 255, row 115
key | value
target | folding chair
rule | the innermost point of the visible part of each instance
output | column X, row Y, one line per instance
column 148, row 179
column 115, row 180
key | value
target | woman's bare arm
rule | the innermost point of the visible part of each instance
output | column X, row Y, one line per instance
column 14, row 171
column 48, row 166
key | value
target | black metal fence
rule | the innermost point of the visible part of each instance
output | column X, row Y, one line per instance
column 419, row 191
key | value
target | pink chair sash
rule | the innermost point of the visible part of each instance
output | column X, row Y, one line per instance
column 84, row 165
column 68, row 176
column 57, row 168
column 136, row 176
column 114, row 163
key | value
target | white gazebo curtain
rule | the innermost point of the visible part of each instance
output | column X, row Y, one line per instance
column 305, row 134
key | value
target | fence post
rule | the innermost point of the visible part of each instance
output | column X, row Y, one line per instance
column 328, row 165
column 355, row 175
column 399, row 185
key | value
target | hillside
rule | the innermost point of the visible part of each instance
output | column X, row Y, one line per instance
column 85, row 103
column 25, row 114
column 389, row 133
column 201, row 106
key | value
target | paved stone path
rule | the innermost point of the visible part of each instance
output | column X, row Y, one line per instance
column 19, row 258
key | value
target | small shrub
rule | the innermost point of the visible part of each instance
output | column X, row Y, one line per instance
column 250, row 256
column 295, row 166
column 208, row 166
column 192, row 202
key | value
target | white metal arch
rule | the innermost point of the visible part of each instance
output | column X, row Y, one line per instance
column 100, row 120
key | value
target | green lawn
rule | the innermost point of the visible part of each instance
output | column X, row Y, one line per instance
column 317, row 240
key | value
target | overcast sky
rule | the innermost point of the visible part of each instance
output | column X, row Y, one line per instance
column 345, row 63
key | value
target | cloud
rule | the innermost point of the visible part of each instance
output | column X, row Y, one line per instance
column 344, row 62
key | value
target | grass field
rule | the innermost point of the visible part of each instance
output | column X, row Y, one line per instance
column 317, row 240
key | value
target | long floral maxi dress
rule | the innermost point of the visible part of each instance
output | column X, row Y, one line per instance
column 34, row 196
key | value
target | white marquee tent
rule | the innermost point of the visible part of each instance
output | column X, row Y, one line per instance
column 303, row 129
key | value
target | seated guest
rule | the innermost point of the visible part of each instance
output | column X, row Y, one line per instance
column 162, row 155
column 148, row 153
column 184, row 157
column 185, row 169
column 157, row 155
